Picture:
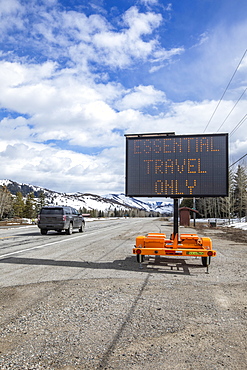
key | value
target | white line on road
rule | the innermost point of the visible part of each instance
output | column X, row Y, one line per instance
column 40, row 246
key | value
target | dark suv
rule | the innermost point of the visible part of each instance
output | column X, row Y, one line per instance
column 60, row 218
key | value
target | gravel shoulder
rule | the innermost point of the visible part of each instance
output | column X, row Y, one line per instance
column 169, row 314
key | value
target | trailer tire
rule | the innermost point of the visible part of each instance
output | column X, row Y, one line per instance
column 206, row 261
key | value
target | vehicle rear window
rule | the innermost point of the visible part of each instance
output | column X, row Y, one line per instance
column 49, row 211
column 67, row 210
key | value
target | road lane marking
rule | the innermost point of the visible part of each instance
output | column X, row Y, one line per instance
column 38, row 247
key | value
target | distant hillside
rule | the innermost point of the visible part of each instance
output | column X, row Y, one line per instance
column 89, row 201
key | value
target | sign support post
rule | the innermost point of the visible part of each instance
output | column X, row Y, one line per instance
column 175, row 218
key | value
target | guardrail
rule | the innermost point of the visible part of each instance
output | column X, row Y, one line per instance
column 17, row 221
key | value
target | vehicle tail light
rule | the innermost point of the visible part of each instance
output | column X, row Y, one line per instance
column 138, row 251
column 38, row 217
column 210, row 253
column 64, row 217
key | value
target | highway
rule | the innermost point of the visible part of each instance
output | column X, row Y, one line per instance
column 27, row 257
column 82, row 301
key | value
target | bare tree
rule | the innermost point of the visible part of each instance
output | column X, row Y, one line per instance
column 240, row 191
column 5, row 201
column 220, row 207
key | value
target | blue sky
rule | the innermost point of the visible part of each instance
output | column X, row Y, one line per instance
column 75, row 76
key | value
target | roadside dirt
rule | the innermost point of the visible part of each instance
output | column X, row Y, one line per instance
column 239, row 236
column 169, row 314
column 227, row 233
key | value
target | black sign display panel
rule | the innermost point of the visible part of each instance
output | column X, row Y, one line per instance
column 177, row 166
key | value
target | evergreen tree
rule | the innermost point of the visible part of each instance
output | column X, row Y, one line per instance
column 18, row 205
column 83, row 210
column 29, row 209
column 187, row 202
column 93, row 213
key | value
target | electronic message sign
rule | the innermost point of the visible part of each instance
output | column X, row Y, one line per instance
column 176, row 166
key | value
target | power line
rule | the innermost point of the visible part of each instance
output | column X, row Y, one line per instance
column 225, row 91
column 238, row 160
column 232, row 110
column 238, row 125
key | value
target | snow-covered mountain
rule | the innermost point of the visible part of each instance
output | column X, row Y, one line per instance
column 161, row 207
column 107, row 203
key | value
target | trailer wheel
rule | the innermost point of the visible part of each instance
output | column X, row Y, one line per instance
column 140, row 258
column 206, row 261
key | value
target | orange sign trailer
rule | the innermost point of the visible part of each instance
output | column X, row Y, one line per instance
column 176, row 166
column 186, row 245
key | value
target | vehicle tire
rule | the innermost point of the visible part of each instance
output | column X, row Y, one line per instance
column 70, row 229
column 140, row 258
column 82, row 228
column 43, row 231
column 206, row 261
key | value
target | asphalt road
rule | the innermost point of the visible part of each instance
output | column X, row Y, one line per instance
column 28, row 257
column 81, row 301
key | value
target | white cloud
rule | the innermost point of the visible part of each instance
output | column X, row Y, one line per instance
column 63, row 169
column 96, row 39
column 149, row 2
column 103, row 171
column 16, row 74
column 141, row 97
column 11, row 12
column 141, row 23
column 15, row 129
column 31, row 90
column 118, row 49
column 75, row 103
column 9, row 7
column 239, row 148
